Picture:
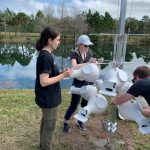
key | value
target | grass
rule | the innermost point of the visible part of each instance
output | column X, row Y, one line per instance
column 11, row 37
column 12, row 34
column 26, row 37
column 20, row 120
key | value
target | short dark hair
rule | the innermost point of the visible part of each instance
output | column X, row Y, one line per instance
column 48, row 32
column 142, row 72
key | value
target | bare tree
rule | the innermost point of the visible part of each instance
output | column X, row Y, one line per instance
column 62, row 9
column 49, row 12
column 74, row 11
column 73, row 25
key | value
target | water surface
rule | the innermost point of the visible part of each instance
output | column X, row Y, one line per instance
column 18, row 61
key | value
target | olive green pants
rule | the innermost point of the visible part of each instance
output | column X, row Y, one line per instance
column 47, row 127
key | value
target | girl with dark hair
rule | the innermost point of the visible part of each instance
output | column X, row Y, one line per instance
column 47, row 87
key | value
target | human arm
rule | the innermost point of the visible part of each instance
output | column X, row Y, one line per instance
column 77, row 66
column 134, row 91
column 79, row 59
column 101, row 60
column 146, row 112
column 117, row 100
column 45, row 80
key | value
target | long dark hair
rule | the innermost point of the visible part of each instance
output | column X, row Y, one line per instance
column 48, row 32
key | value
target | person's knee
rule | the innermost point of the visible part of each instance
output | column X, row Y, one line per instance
column 49, row 125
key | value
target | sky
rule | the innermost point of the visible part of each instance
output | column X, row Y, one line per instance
column 138, row 10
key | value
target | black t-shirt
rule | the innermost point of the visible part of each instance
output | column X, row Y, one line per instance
column 49, row 96
column 141, row 88
column 77, row 56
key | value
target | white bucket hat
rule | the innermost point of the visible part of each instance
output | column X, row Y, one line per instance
column 84, row 39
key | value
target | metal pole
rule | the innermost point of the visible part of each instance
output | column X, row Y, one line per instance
column 120, row 38
column 118, row 58
column 122, row 17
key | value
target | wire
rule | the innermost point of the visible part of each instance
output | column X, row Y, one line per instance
column 131, row 8
column 130, row 16
column 117, row 19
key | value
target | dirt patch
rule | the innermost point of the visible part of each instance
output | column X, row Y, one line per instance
column 94, row 138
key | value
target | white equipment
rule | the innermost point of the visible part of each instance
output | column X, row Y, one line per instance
column 113, row 80
column 85, row 91
column 131, row 110
column 89, row 72
column 123, row 90
column 96, row 105
column 99, row 84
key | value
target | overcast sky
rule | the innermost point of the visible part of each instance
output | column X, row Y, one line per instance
column 139, row 7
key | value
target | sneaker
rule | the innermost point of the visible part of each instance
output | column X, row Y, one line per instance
column 66, row 128
column 81, row 126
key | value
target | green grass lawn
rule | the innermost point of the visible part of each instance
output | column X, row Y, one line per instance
column 20, row 120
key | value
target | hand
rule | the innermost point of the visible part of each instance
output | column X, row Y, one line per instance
column 92, row 60
column 146, row 112
column 67, row 72
column 101, row 60
column 112, row 102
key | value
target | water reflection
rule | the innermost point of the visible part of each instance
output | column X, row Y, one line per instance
column 10, row 53
column 141, row 51
column 18, row 61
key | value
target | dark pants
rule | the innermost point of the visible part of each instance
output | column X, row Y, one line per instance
column 75, row 99
column 47, row 127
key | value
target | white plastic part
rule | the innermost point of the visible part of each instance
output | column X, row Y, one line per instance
column 116, row 75
column 125, row 88
column 96, row 105
column 85, row 91
column 122, row 75
column 113, row 81
column 89, row 72
column 108, row 89
column 132, row 110
column 99, row 84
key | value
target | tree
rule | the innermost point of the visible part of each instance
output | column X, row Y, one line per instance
column 4, row 18
column 62, row 9
column 39, row 21
column 31, row 24
column 77, row 22
column 89, row 19
column 49, row 13
column 108, row 23
column 131, row 25
column 70, row 25
column 146, row 23
column 22, row 20
column 140, row 27
column 97, row 21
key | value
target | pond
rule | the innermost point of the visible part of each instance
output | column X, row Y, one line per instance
column 18, row 61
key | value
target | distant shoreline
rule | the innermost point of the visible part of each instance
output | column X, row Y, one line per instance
column 97, row 38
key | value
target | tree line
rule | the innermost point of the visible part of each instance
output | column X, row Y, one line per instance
column 80, row 22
